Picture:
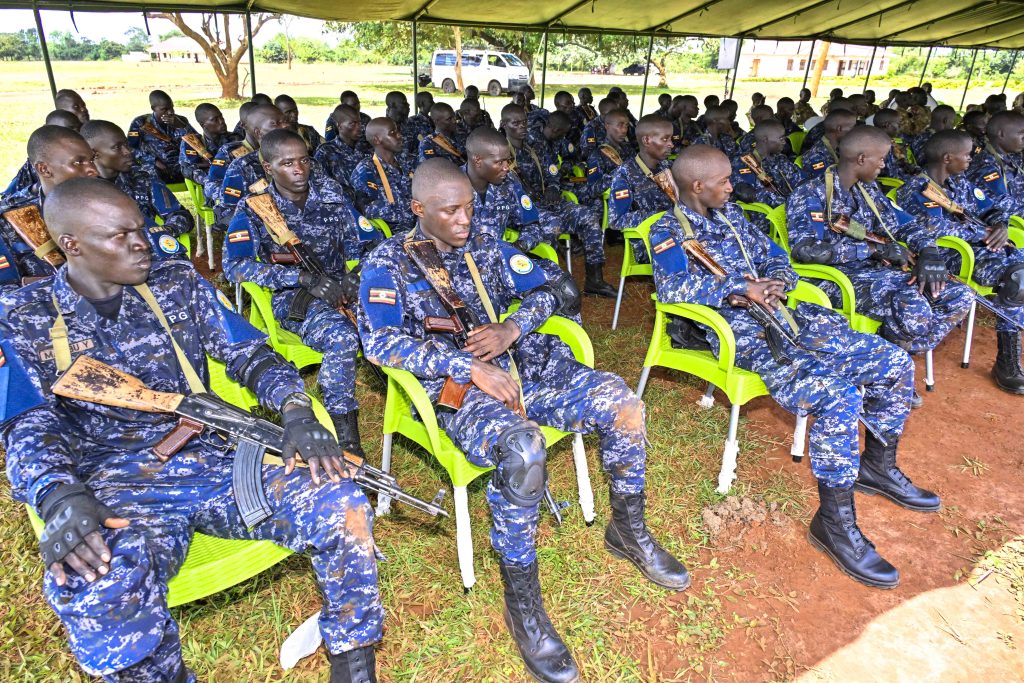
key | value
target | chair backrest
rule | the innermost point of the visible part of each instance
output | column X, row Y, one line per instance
column 261, row 312
column 780, row 233
column 381, row 225
column 796, row 139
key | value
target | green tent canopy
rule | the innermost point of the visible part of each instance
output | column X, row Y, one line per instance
column 994, row 24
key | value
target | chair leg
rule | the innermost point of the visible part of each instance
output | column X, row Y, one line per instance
column 708, row 399
column 929, row 372
column 209, row 246
column 618, row 302
column 579, row 457
column 384, row 502
column 464, row 537
column 969, row 336
column 238, row 298
column 646, row 373
column 568, row 255
column 799, row 437
column 729, row 454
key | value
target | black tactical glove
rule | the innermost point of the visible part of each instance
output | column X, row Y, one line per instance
column 350, row 288
column 304, row 436
column 813, row 251
column 744, row 192
column 324, row 287
column 71, row 512
column 891, row 252
column 930, row 270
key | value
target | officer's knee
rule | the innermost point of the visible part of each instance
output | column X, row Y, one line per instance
column 630, row 415
column 521, row 472
column 348, row 509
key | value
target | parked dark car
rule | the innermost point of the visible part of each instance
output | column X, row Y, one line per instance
column 634, row 69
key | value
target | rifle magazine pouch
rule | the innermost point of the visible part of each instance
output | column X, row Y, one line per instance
column 299, row 305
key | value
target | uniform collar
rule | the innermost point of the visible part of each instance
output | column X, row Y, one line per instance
column 71, row 302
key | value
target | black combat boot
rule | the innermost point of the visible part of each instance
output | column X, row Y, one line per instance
column 834, row 531
column 880, row 475
column 627, row 537
column 1007, row 371
column 595, row 284
column 346, row 426
column 545, row 655
column 354, row 666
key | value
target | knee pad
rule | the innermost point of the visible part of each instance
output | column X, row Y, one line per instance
column 1010, row 290
column 521, row 475
column 566, row 293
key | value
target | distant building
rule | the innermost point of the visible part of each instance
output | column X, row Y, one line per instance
column 781, row 59
column 136, row 57
column 177, row 49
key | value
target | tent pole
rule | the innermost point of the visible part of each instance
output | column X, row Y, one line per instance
column 968, row 83
column 647, row 73
column 46, row 52
column 810, row 58
column 1010, row 72
column 735, row 68
column 544, row 71
column 252, row 51
column 924, row 71
column 415, row 64
column 870, row 65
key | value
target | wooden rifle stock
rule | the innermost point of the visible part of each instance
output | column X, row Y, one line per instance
column 841, row 225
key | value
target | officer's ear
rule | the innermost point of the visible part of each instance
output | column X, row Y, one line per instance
column 68, row 244
column 265, row 164
column 43, row 169
column 417, row 208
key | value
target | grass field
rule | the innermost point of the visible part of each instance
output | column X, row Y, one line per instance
column 617, row 625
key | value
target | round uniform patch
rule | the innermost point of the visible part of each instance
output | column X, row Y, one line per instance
column 553, row 169
column 169, row 245
column 520, row 264
column 526, row 203
column 571, row 148
column 979, row 194
column 419, row 136
column 365, row 225
column 225, row 301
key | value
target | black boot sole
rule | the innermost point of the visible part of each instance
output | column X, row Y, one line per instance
column 859, row 579
column 623, row 556
column 868, row 490
column 534, row 676
column 602, row 294
column 1016, row 391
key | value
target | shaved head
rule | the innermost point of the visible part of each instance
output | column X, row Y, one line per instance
column 76, row 204
column 47, row 138
column 652, row 124
column 343, row 112
column 483, row 140
column 697, row 163
column 379, row 128
column 158, row 97
column 860, row 139
column 275, row 140
column 97, row 128
column 839, row 120
column 946, row 142
column 65, row 119
column 69, row 100
column 433, row 174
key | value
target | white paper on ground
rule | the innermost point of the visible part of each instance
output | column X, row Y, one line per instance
column 304, row 641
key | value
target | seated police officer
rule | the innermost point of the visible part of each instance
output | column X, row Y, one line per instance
column 118, row 520
column 157, row 136
column 496, row 424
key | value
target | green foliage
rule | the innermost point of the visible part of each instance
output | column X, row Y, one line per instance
column 173, row 33
column 65, row 46
column 955, row 64
column 138, row 40
column 310, row 51
column 19, row 46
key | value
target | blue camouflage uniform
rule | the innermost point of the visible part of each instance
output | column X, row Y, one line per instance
column 684, row 136
column 506, row 207
column 601, row 166
column 819, row 157
column 581, row 221
column 724, row 143
column 189, row 159
column 228, row 152
column 907, row 316
column 371, row 198
column 898, row 163
column 593, row 135
column 464, row 129
column 831, row 362
column 435, row 146
column 364, row 119
column 1001, row 174
column 634, row 197
column 155, row 201
column 18, row 259
column 119, row 626
column 415, row 130
column 989, row 266
column 559, row 391
column 152, row 139
column 243, row 177
column 330, row 226
column 785, row 175
column 25, row 178
column 311, row 136
column 338, row 160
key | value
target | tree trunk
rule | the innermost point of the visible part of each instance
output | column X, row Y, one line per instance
column 458, row 60
column 662, row 66
column 229, row 82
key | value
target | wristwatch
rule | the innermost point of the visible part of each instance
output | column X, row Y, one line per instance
column 297, row 398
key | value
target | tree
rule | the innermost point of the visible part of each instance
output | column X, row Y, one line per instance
column 214, row 36
column 138, row 40
column 22, row 45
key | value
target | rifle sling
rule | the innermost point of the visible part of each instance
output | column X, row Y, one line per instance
column 654, row 178
column 611, row 154
column 441, row 141
column 830, row 189
column 383, row 180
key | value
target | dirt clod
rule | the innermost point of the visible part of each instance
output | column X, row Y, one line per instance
column 737, row 514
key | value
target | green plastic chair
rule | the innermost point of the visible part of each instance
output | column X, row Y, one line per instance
column 796, row 139
column 216, row 564
column 288, row 344
column 630, row 266
column 381, row 225
column 206, row 218
column 799, row 161
column 409, row 412
column 737, row 384
column 893, row 183
column 543, row 250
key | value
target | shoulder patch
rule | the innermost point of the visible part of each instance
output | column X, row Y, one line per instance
column 428, row 152
column 520, row 264
column 553, row 169
column 219, row 162
column 168, row 244
column 225, row 301
column 233, row 192
column 818, row 166
column 817, row 216
column 622, row 194
column 378, row 295
column 992, row 176
column 979, row 194
column 526, row 202
column 664, row 245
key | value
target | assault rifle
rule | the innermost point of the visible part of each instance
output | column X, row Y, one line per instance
column 95, row 382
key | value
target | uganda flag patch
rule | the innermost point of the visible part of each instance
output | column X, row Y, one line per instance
column 992, row 176
column 744, row 171
column 817, row 216
column 238, row 236
column 232, row 192
column 931, row 205
column 4, row 263
column 622, row 194
column 218, row 162
column 664, row 246
column 133, row 133
column 818, row 166
column 382, row 295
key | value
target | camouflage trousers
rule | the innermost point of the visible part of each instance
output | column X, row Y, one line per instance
column 577, row 399
column 332, row 334
column 581, row 222
column 989, row 267
column 827, row 384
column 119, row 626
